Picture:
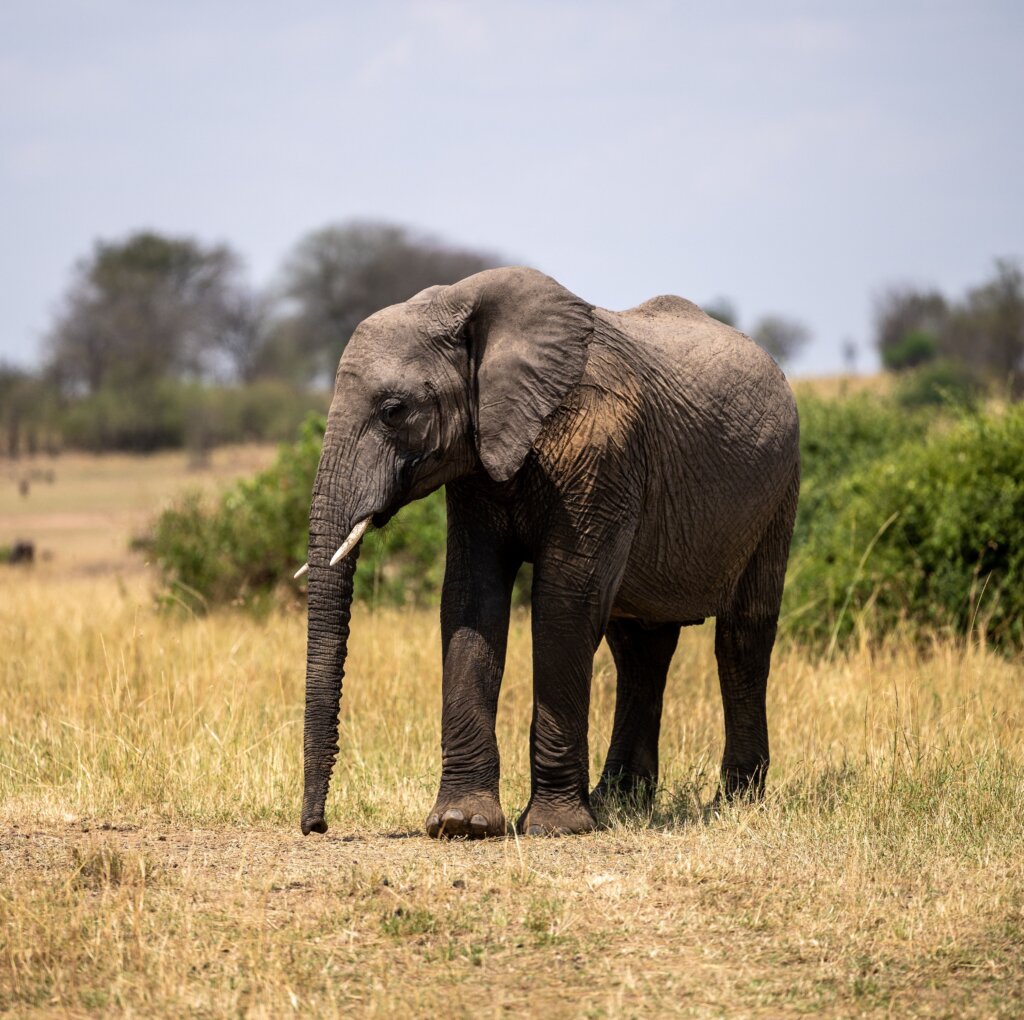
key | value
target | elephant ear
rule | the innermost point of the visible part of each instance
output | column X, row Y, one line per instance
column 528, row 339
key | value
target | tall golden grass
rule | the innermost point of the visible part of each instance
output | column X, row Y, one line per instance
column 150, row 777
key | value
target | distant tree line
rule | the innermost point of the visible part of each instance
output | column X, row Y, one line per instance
column 162, row 341
column 956, row 344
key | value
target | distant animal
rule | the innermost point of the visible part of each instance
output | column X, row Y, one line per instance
column 646, row 462
column 21, row 552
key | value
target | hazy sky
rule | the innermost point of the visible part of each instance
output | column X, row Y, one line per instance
column 793, row 156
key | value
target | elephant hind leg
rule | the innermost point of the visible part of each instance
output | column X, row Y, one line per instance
column 744, row 638
column 642, row 656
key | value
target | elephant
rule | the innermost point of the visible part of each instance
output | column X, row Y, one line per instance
column 646, row 463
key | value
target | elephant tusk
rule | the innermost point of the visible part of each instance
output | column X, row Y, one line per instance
column 351, row 542
column 302, row 570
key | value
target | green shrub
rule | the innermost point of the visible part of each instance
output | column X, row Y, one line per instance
column 252, row 540
column 838, row 437
column 938, row 383
column 906, row 519
column 917, row 348
column 929, row 536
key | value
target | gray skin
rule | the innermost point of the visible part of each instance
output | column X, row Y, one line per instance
column 646, row 462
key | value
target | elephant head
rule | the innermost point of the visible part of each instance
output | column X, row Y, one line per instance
column 454, row 380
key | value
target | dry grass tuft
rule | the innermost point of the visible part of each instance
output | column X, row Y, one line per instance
column 151, row 863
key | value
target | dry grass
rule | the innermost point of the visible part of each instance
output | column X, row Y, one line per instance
column 832, row 387
column 81, row 510
column 151, row 860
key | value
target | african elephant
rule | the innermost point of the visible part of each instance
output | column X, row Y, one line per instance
column 646, row 462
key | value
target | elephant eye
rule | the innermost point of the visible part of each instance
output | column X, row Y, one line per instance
column 392, row 412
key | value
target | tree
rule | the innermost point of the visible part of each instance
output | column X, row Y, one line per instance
column 908, row 325
column 780, row 336
column 246, row 328
column 723, row 309
column 26, row 410
column 918, row 347
column 14, row 387
column 140, row 310
column 986, row 331
column 337, row 276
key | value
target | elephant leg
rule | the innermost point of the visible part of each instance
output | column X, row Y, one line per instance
column 642, row 656
column 743, row 648
column 475, row 604
column 744, row 638
column 569, row 616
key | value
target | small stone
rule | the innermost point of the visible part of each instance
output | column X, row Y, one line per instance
column 458, row 884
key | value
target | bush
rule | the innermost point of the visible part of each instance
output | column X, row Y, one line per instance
column 247, row 542
column 943, row 382
column 253, row 539
column 838, row 437
column 929, row 536
column 906, row 519
column 917, row 348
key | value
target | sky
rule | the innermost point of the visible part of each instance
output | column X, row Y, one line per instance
column 795, row 157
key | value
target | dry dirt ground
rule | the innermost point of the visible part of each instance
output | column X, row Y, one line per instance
column 164, row 921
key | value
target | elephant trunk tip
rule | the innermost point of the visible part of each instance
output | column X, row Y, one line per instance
column 313, row 824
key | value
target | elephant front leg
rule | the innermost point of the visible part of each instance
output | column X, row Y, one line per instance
column 467, row 801
column 474, row 623
column 567, row 627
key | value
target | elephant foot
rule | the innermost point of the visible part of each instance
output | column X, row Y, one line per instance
column 619, row 788
column 743, row 782
column 472, row 816
column 560, row 819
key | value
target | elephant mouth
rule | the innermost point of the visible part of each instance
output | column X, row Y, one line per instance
column 406, row 473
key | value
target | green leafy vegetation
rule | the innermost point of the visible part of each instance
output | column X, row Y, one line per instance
column 939, row 382
column 911, row 516
column 926, row 535
column 918, row 347
column 168, row 414
column 838, row 437
column 240, row 547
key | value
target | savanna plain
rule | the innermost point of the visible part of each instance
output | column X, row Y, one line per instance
column 150, row 778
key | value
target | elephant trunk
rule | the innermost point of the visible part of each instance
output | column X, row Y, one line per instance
column 330, row 605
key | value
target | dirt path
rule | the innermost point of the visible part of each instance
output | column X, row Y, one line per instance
column 264, row 921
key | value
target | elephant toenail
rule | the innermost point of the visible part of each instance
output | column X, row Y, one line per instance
column 453, row 815
column 478, row 822
column 535, row 830
column 433, row 824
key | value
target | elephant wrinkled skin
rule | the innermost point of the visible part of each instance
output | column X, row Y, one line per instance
column 646, row 462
